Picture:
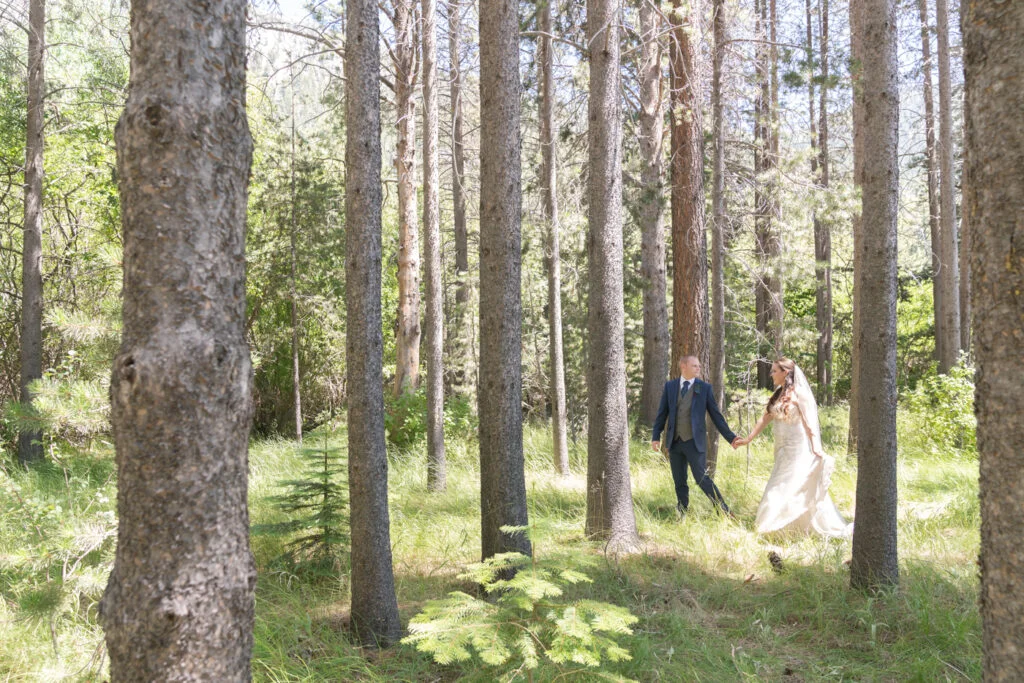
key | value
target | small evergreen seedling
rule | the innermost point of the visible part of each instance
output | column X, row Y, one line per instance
column 527, row 619
column 316, row 505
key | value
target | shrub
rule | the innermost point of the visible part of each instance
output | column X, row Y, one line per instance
column 941, row 411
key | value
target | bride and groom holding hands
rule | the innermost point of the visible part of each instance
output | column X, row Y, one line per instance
column 796, row 497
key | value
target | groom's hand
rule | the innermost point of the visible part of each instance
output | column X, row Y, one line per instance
column 737, row 442
column 655, row 445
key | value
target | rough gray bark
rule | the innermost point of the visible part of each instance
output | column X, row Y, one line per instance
column 407, row 343
column 933, row 175
column 296, row 384
column 553, row 256
column 457, row 360
column 768, row 298
column 856, row 78
column 652, row 237
column 993, row 34
column 374, row 605
column 433, row 318
column 965, row 280
column 502, row 480
column 179, row 602
column 822, row 230
column 949, row 269
column 609, row 497
column 717, row 352
column 30, row 449
column 874, row 541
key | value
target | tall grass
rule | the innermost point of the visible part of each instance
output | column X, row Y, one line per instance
column 710, row 607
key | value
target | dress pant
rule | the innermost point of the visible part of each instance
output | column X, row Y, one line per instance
column 685, row 452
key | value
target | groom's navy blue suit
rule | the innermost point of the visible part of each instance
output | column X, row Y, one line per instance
column 692, row 451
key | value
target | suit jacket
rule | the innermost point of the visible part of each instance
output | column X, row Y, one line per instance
column 703, row 402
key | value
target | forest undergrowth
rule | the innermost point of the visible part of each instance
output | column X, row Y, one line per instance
column 710, row 605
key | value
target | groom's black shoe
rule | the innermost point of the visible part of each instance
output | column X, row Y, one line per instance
column 681, row 509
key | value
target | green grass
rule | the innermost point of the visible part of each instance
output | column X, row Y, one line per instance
column 710, row 607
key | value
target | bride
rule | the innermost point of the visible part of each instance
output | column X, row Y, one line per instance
column 796, row 497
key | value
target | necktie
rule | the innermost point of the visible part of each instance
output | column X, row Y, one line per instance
column 686, row 387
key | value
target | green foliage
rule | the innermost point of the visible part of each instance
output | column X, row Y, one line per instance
column 405, row 418
column 528, row 616
column 315, row 505
column 940, row 412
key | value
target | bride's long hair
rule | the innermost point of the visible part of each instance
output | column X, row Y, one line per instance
column 783, row 396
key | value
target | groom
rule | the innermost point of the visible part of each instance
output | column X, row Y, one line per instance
column 684, row 402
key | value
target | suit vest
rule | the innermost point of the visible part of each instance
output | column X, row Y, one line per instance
column 684, row 426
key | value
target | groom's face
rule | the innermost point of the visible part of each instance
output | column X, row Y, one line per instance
column 689, row 368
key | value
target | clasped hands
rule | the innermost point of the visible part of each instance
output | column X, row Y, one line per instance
column 735, row 443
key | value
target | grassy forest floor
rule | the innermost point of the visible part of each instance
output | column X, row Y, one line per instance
column 710, row 607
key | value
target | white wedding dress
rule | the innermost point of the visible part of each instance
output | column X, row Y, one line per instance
column 796, row 497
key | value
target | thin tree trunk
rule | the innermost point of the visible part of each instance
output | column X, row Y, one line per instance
column 30, row 449
column 993, row 35
column 609, row 497
column 652, row 237
column 965, row 281
column 502, row 479
column 874, row 541
column 296, row 386
column 374, row 605
column 822, row 232
column 179, row 603
column 433, row 317
column 407, row 362
column 717, row 352
column 554, row 260
column 949, row 271
column 457, row 357
column 933, row 177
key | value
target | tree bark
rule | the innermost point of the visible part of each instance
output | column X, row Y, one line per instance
column 856, row 78
column 179, row 602
column 374, row 605
column 407, row 362
column 874, row 543
column 609, row 497
column 553, row 256
column 30, row 449
column 296, row 384
column 993, row 34
column 433, row 317
column 822, row 230
column 652, row 237
column 933, row 177
column 457, row 357
column 717, row 352
column 949, row 270
column 502, row 479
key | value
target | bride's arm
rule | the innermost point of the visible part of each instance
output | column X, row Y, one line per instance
column 761, row 424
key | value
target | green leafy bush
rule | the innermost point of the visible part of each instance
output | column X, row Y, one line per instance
column 940, row 411
column 527, row 619
column 405, row 418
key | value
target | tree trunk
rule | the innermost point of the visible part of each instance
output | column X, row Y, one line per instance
column 502, row 479
column 374, row 605
column 874, row 542
column 822, row 230
column 609, row 496
column 993, row 34
column 296, row 385
column 856, row 78
column 554, row 260
column 768, row 298
column 179, row 602
column 933, row 177
column 433, row 317
column 652, row 237
column 717, row 352
column 457, row 333
column 691, row 332
column 965, row 280
column 407, row 347
column 949, row 270
column 30, row 449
